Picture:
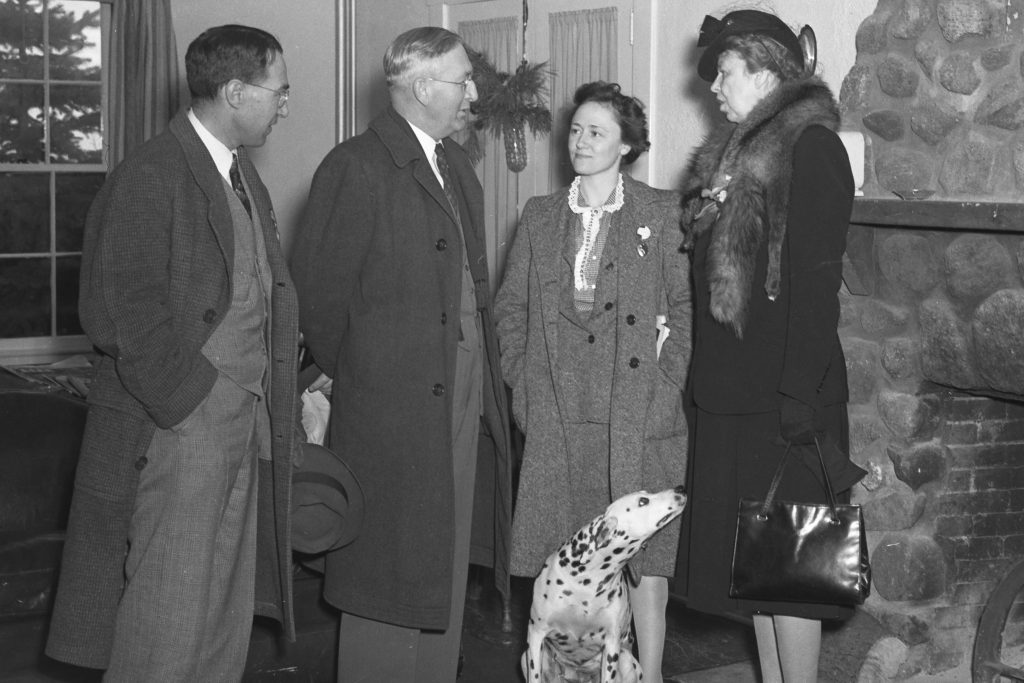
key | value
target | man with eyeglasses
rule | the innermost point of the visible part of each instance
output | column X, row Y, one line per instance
column 391, row 271
column 186, row 295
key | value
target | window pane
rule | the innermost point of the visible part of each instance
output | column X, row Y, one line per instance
column 24, row 213
column 75, row 130
column 21, row 123
column 74, row 40
column 75, row 192
column 21, row 39
column 68, row 268
column 25, row 297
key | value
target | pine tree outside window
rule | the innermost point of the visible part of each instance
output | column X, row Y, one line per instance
column 53, row 160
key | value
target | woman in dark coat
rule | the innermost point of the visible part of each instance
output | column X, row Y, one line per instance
column 767, row 201
column 593, row 269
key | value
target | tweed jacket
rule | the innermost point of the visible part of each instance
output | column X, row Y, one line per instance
column 156, row 280
column 791, row 190
column 648, row 429
column 378, row 266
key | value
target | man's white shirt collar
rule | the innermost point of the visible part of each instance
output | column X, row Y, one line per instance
column 428, row 143
column 218, row 150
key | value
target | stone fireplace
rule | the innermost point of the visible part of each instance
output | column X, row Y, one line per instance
column 933, row 319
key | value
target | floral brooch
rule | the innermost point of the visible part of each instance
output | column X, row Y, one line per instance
column 644, row 233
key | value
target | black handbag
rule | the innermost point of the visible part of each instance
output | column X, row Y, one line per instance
column 800, row 552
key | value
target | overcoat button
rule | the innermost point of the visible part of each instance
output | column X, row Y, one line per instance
column 444, row 318
column 141, row 462
column 631, row 319
column 590, row 339
column 634, row 362
column 209, row 316
column 608, row 306
column 441, row 244
column 438, row 390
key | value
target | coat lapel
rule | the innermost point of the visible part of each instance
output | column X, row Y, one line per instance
column 404, row 147
column 211, row 183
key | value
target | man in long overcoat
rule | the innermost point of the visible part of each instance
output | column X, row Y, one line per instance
column 392, row 278
column 179, row 524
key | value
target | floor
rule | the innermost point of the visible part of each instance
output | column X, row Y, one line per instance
column 698, row 649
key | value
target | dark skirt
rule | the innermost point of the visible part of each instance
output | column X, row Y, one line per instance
column 735, row 456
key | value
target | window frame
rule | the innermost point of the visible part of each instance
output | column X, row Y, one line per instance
column 53, row 347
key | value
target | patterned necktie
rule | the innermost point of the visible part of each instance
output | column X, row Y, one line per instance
column 236, row 185
column 446, row 179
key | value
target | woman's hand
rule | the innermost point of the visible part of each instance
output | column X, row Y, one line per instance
column 796, row 421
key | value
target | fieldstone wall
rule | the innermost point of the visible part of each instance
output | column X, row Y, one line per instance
column 934, row 333
column 935, row 356
column 937, row 88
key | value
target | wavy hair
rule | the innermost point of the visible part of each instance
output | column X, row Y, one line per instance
column 629, row 114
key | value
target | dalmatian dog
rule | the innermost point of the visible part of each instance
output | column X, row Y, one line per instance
column 580, row 620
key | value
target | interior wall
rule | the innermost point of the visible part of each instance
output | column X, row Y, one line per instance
column 681, row 107
column 298, row 143
column 682, row 104
column 378, row 22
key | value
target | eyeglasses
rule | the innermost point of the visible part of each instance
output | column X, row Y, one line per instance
column 465, row 84
column 282, row 93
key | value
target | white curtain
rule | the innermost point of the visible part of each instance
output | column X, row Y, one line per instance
column 497, row 39
column 584, row 48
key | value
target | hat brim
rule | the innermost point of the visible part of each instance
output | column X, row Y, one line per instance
column 327, row 501
column 737, row 23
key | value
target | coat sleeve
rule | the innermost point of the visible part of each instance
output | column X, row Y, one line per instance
column 124, row 299
column 330, row 248
column 511, row 308
column 675, row 352
column 821, row 199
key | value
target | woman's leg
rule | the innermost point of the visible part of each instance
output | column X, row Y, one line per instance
column 799, row 642
column 649, row 601
column 788, row 648
column 767, row 649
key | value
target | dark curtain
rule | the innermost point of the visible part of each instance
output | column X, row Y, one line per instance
column 144, row 85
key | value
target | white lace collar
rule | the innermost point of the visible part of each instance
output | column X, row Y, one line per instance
column 611, row 207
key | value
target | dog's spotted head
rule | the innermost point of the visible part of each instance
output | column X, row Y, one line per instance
column 616, row 535
column 637, row 516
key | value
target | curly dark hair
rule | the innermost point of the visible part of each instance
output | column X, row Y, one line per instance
column 629, row 113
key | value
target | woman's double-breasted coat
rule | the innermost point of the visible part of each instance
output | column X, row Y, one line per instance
column 647, row 428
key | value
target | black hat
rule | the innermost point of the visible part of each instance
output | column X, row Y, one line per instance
column 327, row 501
column 713, row 33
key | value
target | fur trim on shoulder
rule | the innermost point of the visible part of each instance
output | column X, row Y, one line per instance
column 748, row 168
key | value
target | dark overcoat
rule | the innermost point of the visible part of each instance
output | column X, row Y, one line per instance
column 648, row 429
column 767, row 269
column 758, row 340
column 378, row 265
column 156, row 281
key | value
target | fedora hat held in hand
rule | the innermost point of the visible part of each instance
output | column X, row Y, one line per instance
column 327, row 501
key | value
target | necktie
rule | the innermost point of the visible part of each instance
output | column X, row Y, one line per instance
column 446, row 178
column 236, row 185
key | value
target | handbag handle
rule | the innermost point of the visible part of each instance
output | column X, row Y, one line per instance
column 778, row 478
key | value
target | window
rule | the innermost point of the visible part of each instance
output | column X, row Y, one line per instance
column 52, row 163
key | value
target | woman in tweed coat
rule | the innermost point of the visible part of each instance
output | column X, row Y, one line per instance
column 594, row 269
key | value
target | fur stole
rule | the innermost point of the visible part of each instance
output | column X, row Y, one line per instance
column 737, row 186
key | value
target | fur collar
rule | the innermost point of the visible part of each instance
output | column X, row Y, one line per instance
column 753, row 162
